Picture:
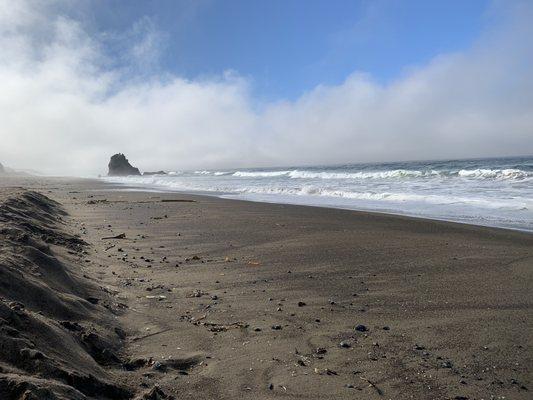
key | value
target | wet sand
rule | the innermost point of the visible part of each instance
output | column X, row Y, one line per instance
column 226, row 299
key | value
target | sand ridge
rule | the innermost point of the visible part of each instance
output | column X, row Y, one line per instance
column 58, row 331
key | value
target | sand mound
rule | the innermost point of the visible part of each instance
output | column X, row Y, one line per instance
column 58, row 338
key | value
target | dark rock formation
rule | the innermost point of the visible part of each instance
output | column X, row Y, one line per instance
column 120, row 166
column 155, row 173
column 2, row 170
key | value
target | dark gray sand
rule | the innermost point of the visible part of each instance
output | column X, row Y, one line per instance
column 219, row 299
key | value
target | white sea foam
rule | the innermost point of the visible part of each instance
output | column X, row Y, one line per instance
column 259, row 174
column 393, row 197
column 397, row 173
column 387, row 174
column 509, row 173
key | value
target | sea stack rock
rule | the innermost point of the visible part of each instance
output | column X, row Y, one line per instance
column 120, row 166
column 2, row 170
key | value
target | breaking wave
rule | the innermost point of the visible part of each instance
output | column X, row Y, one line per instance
column 514, row 174
column 495, row 173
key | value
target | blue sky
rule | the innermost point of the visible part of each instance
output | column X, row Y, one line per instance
column 309, row 82
column 289, row 47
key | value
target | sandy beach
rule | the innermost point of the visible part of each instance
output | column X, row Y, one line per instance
column 113, row 294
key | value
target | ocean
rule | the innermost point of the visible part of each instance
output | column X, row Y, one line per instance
column 492, row 192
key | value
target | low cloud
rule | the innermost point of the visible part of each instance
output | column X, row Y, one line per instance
column 67, row 104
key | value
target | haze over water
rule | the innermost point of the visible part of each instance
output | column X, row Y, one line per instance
column 493, row 192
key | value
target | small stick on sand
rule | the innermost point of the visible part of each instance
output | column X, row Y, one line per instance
column 177, row 201
column 119, row 236
column 135, row 339
column 371, row 384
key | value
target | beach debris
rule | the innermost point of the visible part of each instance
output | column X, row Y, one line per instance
column 177, row 200
column 97, row 201
column 119, row 236
column 254, row 263
column 159, row 297
column 372, row 385
column 325, row 371
column 215, row 327
column 158, row 366
column 270, row 386
column 361, row 328
column 320, row 350
column 276, row 327
column 197, row 293
column 301, row 304
column 345, row 344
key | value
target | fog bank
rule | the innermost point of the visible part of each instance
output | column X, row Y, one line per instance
column 67, row 104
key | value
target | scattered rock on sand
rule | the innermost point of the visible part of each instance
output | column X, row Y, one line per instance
column 120, row 166
column 361, row 328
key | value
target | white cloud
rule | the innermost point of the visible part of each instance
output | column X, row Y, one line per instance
column 64, row 110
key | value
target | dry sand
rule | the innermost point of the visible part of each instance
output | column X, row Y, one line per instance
column 208, row 298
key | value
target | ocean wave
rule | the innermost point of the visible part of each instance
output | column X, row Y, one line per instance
column 259, row 174
column 308, row 174
column 397, row 173
column 214, row 173
column 518, row 204
column 500, row 174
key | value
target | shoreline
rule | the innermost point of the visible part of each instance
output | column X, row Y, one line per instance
column 222, row 299
column 162, row 189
